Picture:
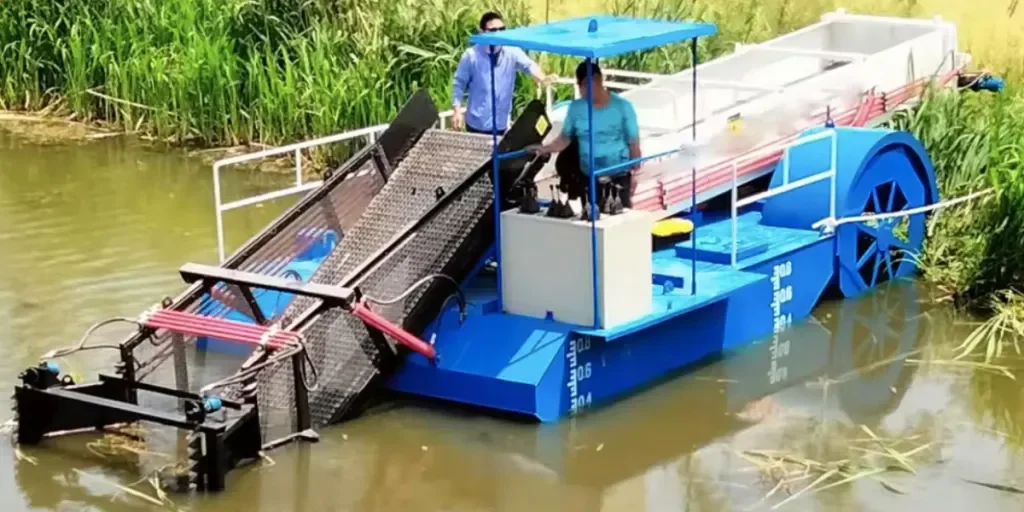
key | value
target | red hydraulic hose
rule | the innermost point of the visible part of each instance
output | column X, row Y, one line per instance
column 400, row 335
column 216, row 332
column 197, row 325
column 242, row 327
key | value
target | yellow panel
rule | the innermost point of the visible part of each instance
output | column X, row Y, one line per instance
column 671, row 227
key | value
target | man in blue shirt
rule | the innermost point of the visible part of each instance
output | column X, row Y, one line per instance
column 473, row 75
column 616, row 132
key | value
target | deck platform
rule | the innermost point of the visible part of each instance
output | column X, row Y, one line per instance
column 756, row 243
column 530, row 370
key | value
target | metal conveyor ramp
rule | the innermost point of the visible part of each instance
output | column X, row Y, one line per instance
column 347, row 355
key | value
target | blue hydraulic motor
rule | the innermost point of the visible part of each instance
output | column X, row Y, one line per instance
column 982, row 81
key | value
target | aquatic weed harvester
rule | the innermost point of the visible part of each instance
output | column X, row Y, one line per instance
column 397, row 271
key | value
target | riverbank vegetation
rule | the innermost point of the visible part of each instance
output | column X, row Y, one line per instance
column 230, row 72
column 975, row 143
column 239, row 72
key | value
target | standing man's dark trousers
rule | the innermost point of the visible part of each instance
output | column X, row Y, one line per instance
column 470, row 129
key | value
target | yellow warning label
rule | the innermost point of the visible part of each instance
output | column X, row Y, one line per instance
column 542, row 125
column 735, row 124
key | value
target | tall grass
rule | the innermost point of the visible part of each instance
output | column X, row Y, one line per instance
column 975, row 143
column 237, row 71
column 232, row 71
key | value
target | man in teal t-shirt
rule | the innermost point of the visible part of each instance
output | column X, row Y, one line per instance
column 616, row 132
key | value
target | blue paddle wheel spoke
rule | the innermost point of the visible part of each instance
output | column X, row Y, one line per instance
column 882, row 243
column 868, row 230
column 866, row 256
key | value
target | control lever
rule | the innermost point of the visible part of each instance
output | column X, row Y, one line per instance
column 615, row 202
column 604, row 193
column 567, row 212
column 587, row 207
column 529, row 202
column 555, row 209
column 558, row 208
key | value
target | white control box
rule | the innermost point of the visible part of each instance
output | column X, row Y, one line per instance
column 546, row 267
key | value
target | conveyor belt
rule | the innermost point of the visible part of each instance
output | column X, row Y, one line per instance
column 340, row 343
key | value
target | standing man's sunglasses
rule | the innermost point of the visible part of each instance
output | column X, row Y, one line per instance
column 494, row 29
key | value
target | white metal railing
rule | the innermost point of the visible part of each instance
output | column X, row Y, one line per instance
column 369, row 133
column 786, row 186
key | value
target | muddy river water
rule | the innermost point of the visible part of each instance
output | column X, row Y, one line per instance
column 866, row 391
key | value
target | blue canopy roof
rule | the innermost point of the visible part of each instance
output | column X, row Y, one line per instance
column 596, row 36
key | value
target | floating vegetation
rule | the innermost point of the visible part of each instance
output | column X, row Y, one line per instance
column 18, row 454
column 8, row 426
column 870, row 457
column 122, row 441
column 160, row 499
column 999, row 333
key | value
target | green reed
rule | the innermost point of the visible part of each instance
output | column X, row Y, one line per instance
column 211, row 72
column 972, row 139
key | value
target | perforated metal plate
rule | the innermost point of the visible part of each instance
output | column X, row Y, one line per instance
column 348, row 359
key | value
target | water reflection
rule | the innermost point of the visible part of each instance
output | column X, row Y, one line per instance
column 665, row 449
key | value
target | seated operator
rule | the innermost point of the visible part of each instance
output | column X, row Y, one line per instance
column 616, row 132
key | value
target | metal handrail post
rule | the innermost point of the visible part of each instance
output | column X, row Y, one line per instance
column 219, row 212
column 835, row 170
column 693, row 173
column 496, row 176
column 593, row 192
column 735, row 208
column 831, row 173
